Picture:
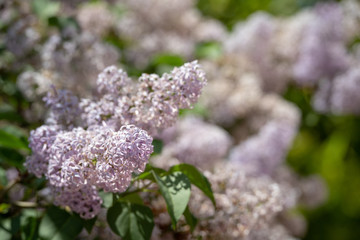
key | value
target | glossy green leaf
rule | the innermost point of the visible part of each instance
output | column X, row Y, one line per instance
column 131, row 221
column 176, row 190
column 158, row 145
column 58, row 224
column 11, row 157
column 89, row 224
column 147, row 174
column 133, row 198
column 196, row 178
column 190, row 219
column 107, row 198
column 10, row 141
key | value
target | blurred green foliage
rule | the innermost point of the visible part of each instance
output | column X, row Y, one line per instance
column 232, row 11
column 330, row 146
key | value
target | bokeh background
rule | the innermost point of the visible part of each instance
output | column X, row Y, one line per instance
column 326, row 144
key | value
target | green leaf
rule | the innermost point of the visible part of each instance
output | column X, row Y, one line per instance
column 62, row 22
column 58, row 224
column 196, row 178
column 45, row 8
column 29, row 231
column 11, row 157
column 5, row 229
column 197, row 110
column 147, row 174
column 168, row 59
column 89, row 224
column 209, row 50
column 3, row 178
column 131, row 221
column 190, row 219
column 163, row 63
column 8, row 113
column 107, row 199
column 10, row 141
column 158, row 146
column 4, row 208
column 133, row 198
column 176, row 190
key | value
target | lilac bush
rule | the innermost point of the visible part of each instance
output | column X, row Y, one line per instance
column 105, row 152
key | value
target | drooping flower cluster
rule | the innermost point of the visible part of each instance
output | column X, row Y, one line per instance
column 79, row 158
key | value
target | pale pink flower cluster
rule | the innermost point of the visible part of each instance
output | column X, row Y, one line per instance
column 152, row 103
column 104, row 152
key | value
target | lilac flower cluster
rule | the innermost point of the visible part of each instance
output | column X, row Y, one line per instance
column 195, row 142
column 151, row 104
column 274, row 140
column 78, row 158
column 88, row 159
column 322, row 48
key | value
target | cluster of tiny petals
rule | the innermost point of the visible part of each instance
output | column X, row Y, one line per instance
column 274, row 140
column 111, row 80
column 196, row 142
column 322, row 51
column 152, row 103
column 103, row 152
column 40, row 141
column 85, row 201
column 189, row 80
column 101, row 157
column 64, row 106
column 345, row 98
column 77, row 162
column 126, row 151
column 245, row 204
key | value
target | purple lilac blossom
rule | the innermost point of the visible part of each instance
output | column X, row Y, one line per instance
column 40, row 141
column 151, row 104
column 262, row 153
column 85, row 201
column 199, row 143
column 64, row 106
column 322, row 51
column 77, row 160
column 345, row 98
column 101, row 157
